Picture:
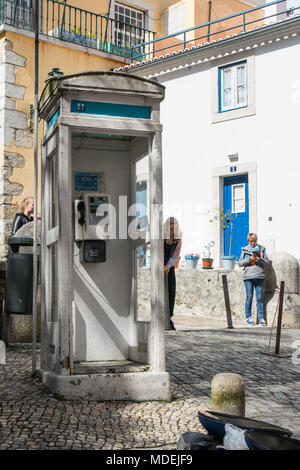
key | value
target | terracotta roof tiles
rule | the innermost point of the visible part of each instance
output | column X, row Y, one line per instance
column 188, row 49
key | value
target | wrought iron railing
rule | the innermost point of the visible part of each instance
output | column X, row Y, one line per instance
column 76, row 25
column 17, row 13
column 236, row 23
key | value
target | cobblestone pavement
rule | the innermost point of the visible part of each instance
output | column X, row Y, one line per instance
column 32, row 418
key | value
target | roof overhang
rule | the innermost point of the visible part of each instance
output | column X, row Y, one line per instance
column 98, row 83
column 230, row 45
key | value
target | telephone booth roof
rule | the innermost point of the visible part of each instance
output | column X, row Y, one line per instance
column 116, row 83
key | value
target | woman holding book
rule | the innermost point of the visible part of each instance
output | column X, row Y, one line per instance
column 254, row 259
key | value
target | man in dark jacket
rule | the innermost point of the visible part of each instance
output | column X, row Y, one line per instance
column 25, row 216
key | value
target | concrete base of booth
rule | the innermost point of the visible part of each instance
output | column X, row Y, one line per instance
column 141, row 386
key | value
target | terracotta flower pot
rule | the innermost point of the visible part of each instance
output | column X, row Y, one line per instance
column 207, row 263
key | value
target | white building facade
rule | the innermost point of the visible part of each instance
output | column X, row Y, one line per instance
column 231, row 123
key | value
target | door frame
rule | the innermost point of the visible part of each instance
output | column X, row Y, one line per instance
column 218, row 176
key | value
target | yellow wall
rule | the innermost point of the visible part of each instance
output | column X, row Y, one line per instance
column 221, row 10
column 197, row 14
column 101, row 8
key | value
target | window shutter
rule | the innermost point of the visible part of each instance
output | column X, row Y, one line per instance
column 165, row 23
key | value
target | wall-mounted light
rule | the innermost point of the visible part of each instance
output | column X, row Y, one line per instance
column 233, row 157
column 55, row 72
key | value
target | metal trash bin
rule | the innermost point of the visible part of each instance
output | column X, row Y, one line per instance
column 19, row 277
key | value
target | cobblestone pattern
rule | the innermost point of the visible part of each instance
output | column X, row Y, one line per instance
column 32, row 418
column 272, row 384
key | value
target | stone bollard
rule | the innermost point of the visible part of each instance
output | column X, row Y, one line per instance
column 2, row 353
column 228, row 394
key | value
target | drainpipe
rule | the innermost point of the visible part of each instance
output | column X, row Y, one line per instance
column 36, row 149
column 209, row 18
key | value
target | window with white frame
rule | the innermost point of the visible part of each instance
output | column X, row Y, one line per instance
column 233, row 86
column 238, row 198
column 129, row 29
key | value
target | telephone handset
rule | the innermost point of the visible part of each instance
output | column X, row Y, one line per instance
column 90, row 211
column 81, row 210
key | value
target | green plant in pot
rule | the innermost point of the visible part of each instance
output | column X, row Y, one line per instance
column 207, row 260
column 226, row 221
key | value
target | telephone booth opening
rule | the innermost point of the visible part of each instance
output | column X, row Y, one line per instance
column 100, row 130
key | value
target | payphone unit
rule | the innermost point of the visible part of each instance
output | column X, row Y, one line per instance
column 91, row 225
column 92, row 217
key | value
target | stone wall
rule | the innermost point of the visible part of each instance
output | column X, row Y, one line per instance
column 15, row 138
column 200, row 292
column 14, row 133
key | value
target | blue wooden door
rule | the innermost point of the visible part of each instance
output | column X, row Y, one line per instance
column 236, row 201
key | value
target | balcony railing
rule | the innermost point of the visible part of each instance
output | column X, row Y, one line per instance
column 198, row 35
column 17, row 13
column 75, row 25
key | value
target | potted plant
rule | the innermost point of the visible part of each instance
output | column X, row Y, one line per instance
column 207, row 260
column 229, row 260
column 191, row 260
column 76, row 35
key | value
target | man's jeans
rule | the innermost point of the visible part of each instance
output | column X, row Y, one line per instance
column 259, row 285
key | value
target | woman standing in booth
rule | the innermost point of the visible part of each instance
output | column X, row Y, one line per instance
column 172, row 247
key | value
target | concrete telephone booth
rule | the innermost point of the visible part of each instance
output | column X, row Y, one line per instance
column 97, row 126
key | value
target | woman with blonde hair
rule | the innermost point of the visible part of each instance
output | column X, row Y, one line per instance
column 254, row 259
column 25, row 215
column 172, row 247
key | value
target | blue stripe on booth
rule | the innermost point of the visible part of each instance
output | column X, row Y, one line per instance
column 111, row 109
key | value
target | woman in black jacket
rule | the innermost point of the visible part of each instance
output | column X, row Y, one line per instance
column 172, row 247
column 25, row 216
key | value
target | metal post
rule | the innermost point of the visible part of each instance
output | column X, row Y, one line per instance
column 279, row 320
column 227, row 302
column 36, row 145
column 278, row 332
